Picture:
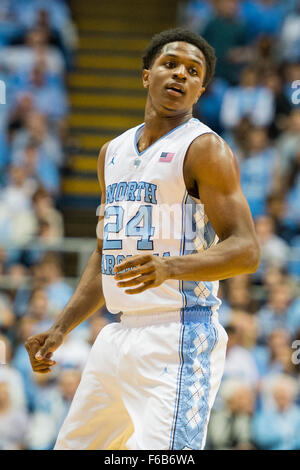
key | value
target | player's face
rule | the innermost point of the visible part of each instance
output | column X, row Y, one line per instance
column 175, row 79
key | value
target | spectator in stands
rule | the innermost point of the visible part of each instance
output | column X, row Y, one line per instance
column 263, row 57
column 239, row 363
column 42, row 427
column 277, row 427
column 289, row 49
column 22, row 106
column 44, row 210
column 47, row 97
column 277, row 209
column 262, row 17
column 282, row 106
column 239, row 295
column 237, row 138
column 2, row 260
column 227, row 34
column 40, row 169
column 7, row 317
column 197, row 14
column 288, row 143
column 51, row 408
column 38, row 310
column 23, row 292
column 209, row 107
column 4, row 152
column 25, row 328
column 248, row 99
column 18, row 191
column 278, row 354
column 17, row 222
column 54, row 14
column 280, row 312
column 292, row 214
column 69, row 380
column 230, row 427
column 13, row 421
column 37, row 130
column 274, row 250
column 260, row 175
column 58, row 291
column 12, row 377
column 272, row 277
column 21, row 58
column 9, row 26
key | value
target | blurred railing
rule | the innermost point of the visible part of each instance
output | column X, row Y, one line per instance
column 82, row 247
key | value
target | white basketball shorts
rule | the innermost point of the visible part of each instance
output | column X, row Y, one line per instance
column 149, row 384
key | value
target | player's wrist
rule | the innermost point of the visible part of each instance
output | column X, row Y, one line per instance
column 60, row 328
column 169, row 267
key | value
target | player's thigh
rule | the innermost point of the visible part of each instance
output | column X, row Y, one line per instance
column 150, row 373
column 178, row 372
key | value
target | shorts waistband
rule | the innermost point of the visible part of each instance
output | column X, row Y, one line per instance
column 195, row 315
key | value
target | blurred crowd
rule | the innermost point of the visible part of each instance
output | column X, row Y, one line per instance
column 37, row 44
column 254, row 104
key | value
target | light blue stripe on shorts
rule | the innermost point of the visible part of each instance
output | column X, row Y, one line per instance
column 191, row 410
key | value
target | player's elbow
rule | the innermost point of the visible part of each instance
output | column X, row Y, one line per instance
column 252, row 256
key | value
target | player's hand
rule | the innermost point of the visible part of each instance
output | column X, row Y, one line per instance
column 40, row 349
column 145, row 272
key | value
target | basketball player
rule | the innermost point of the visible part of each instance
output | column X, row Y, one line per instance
column 151, row 380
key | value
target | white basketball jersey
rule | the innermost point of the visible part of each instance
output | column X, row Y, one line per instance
column 148, row 210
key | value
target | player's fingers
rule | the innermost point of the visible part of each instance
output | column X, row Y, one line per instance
column 136, row 281
column 131, row 262
column 145, row 268
column 140, row 289
column 46, row 350
column 43, row 365
column 43, row 371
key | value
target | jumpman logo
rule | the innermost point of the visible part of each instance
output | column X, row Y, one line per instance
column 165, row 371
column 112, row 162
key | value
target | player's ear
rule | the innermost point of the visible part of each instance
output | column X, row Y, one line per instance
column 200, row 93
column 145, row 76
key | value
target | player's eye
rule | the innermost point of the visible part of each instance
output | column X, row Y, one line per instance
column 193, row 71
column 170, row 64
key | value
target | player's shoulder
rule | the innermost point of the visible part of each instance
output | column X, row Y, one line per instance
column 210, row 158
column 210, row 147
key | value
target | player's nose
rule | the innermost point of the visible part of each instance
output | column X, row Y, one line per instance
column 180, row 72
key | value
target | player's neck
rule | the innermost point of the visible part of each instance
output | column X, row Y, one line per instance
column 156, row 126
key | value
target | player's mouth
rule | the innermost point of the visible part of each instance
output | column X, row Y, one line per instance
column 175, row 89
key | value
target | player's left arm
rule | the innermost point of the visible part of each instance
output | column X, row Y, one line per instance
column 212, row 166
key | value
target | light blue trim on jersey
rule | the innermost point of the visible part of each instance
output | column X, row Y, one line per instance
column 161, row 138
column 182, row 241
column 197, row 233
column 192, row 412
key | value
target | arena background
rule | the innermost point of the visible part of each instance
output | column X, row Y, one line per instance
column 70, row 76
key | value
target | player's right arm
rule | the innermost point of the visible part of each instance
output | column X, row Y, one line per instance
column 87, row 298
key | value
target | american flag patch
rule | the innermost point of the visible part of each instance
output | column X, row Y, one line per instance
column 166, row 157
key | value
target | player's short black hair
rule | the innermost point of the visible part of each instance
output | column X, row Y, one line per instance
column 185, row 35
